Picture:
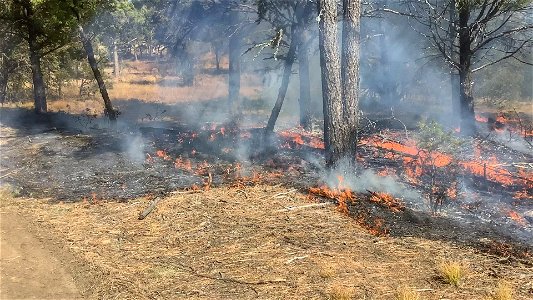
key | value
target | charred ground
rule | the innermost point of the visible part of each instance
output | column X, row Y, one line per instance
column 73, row 158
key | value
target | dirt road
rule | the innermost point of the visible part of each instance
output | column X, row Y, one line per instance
column 28, row 268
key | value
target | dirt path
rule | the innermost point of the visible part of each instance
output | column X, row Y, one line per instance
column 29, row 269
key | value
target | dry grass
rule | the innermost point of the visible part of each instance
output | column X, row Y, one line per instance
column 341, row 292
column 141, row 81
column 407, row 293
column 451, row 272
column 235, row 243
column 503, row 291
column 327, row 271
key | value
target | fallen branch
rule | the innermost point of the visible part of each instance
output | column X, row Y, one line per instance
column 291, row 208
column 229, row 279
column 186, row 192
column 7, row 174
column 149, row 209
column 296, row 258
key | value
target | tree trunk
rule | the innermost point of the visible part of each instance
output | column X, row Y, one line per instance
column 350, row 78
column 134, row 51
column 303, row 65
column 387, row 86
column 305, row 85
column 116, row 62
column 110, row 112
column 331, row 80
column 289, row 60
column 234, row 76
column 4, row 78
column 465, row 75
column 216, row 50
column 187, row 67
column 454, row 75
column 39, row 92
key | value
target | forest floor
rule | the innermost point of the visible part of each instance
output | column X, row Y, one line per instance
column 217, row 244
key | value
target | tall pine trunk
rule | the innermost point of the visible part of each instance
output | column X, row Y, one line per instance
column 387, row 86
column 331, row 81
column 289, row 60
column 39, row 91
column 4, row 79
column 303, row 66
column 116, row 62
column 305, row 85
column 454, row 75
column 87, row 45
column 465, row 75
column 350, row 77
column 234, row 74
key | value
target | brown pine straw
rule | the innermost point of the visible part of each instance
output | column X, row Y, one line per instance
column 243, row 243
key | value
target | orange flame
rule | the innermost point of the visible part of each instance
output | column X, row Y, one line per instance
column 481, row 119
column 163, row 154
column 387, row 200
column 524, row 194
column 302, row 138
column 517, row 218
column 341, row 194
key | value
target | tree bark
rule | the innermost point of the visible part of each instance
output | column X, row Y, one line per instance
column 305, row 85
column 116, row 62
column 39, row 91
column 289, row 60
column 350, row 77
column 303, row 66
column 87, row 45
column 3, row 89
column 216, row 50
column 386, row 86
column 4, row 78
column 465, row 75
column 331, row 80
column 454, row 75
column 234, row 74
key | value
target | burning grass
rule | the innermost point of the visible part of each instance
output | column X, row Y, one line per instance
column 229, row 243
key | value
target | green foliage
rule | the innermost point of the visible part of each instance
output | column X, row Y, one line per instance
column 509, row 80
column 438, row 162
column 433, row 137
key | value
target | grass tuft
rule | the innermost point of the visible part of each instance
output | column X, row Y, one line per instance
column 327, row 271
column 407, row 293
column 451, row 272
column 341, row 292
column 503, row 291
